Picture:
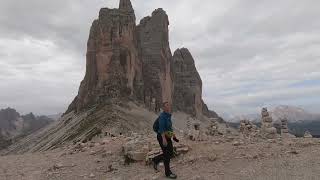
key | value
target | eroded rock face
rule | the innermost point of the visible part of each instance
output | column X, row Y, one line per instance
column 13, row 124
column 9, row 121
column 156, row 57
column 188, row 85
column 113, row 66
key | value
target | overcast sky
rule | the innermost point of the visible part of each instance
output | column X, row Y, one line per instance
column 249, row 53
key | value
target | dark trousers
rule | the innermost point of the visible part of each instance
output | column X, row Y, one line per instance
column 166, row 156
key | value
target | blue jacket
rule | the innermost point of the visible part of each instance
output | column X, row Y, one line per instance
column 165, row 123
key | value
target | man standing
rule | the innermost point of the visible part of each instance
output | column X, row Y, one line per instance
column 164, row 136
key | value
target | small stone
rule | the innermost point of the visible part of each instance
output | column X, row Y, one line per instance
column 92, row 152
column 197, row 178
column 92, row 175
column 155, row 177
column 293, row 152
column 63, row 154
column 212, row 158
column 111, row 168
column 236, row 143
column 56, row 166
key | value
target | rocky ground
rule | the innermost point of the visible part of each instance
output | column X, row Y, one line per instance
column 217, row 158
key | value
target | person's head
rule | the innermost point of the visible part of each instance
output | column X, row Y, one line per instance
column 166, row 107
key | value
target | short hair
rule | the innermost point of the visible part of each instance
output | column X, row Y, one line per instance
column 164, row 103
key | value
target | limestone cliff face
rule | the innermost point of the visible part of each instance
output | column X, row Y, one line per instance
column 153, row 35
column 113, row 67
column 188, row 85
column 136, row 63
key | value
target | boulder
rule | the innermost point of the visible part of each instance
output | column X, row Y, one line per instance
column 307, row 134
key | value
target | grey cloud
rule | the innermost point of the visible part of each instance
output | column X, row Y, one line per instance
column 240, row 48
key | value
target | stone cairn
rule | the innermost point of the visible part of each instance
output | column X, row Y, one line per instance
column 267, row 129
column 307, row 134
column 194, row 131
column 284, row 129
column 213, row 128
column 247, row 129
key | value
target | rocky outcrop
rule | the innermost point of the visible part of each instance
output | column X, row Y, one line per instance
column 113, row 67
column 125, row 61
column 248, row 129
column 188, row 85
column 4, row 142
column 156, row 57
column 307, row 134
column 12, row 124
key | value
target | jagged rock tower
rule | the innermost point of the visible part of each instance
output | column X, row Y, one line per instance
column 153, row 35
column 113, row 67
column 125, row 61
column 187, row 85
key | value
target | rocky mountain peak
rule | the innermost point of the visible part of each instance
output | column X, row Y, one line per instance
column 184, row 55
column 188, row 84
column 126, row 5
column 156, row 57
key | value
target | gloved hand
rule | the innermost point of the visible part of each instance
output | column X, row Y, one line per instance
column 175, row 139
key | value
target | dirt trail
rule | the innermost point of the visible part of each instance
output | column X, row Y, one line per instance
column 214, row 159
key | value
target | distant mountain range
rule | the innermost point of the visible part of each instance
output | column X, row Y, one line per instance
column 292, row 113
column 14, row 125
column 299, row 120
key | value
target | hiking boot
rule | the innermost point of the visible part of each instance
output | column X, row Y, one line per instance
column 172, row 176
column 155, row 165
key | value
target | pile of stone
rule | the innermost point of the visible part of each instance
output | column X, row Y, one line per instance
column 213, row 128
column 136, row 149
column 247, row 129
column 267, row 129
column 307, row 134
column 284, row 129
column 194, row 133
